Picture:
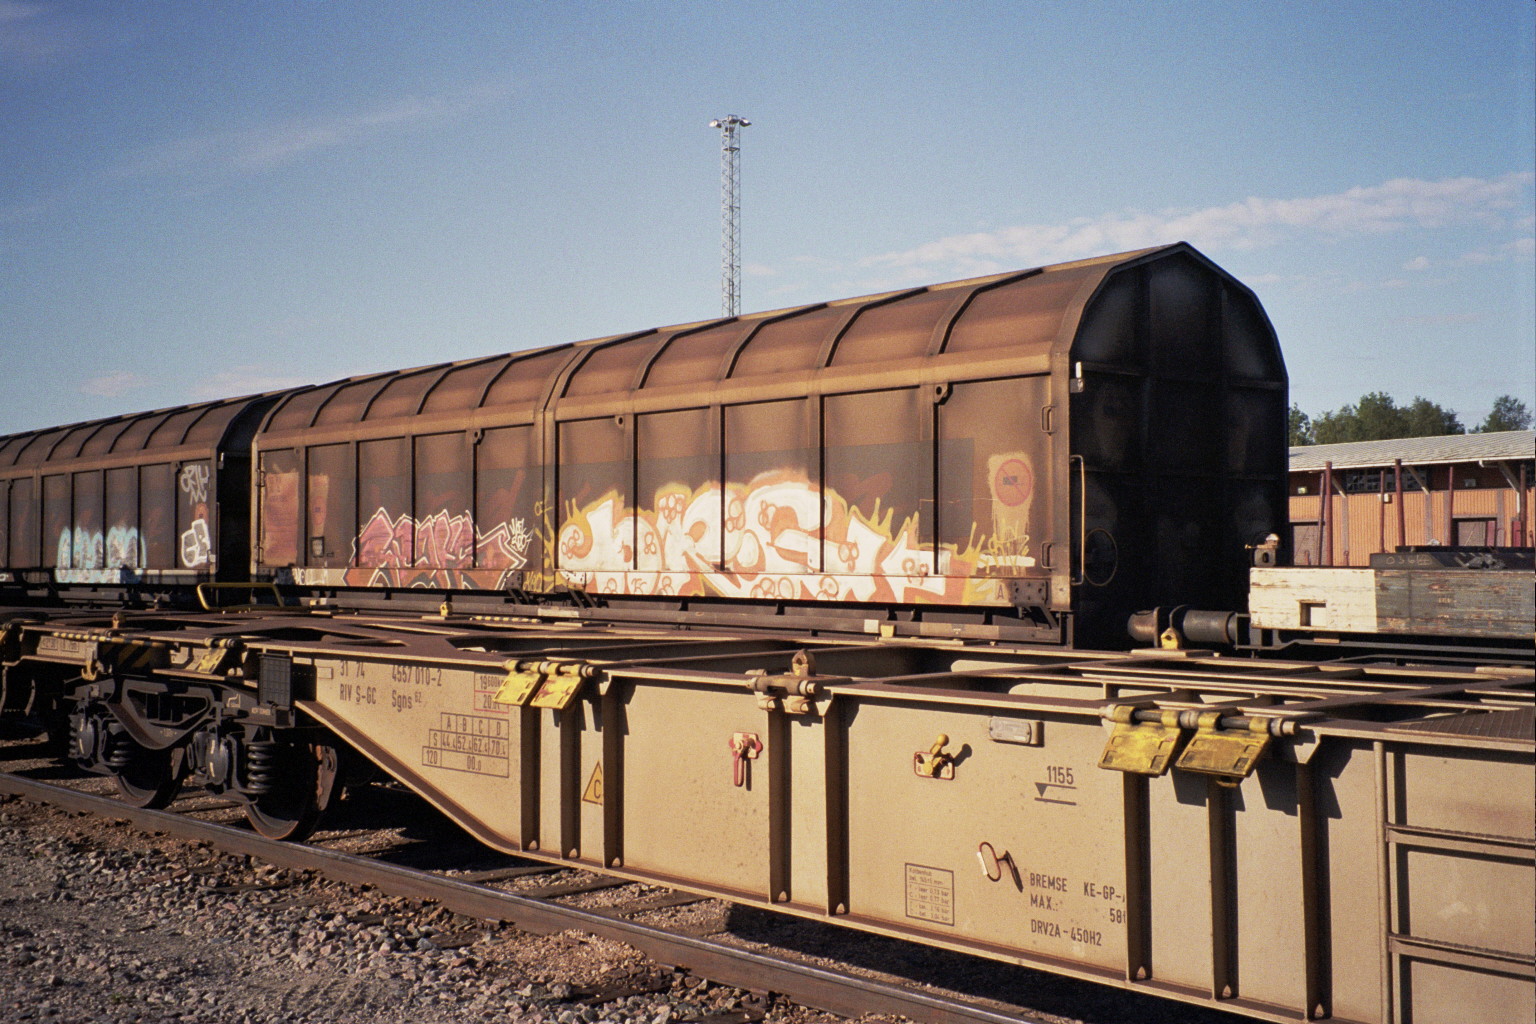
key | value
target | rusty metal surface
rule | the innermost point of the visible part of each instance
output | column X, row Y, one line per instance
column 153, row 435
column 983, row 444
column 1035, row 454
column 122, row 500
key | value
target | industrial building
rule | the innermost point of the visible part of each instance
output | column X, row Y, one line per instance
column 1349, row 501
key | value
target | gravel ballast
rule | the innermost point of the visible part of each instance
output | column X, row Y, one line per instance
column 100, row 923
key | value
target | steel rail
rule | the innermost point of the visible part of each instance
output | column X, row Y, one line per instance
column 818, row 987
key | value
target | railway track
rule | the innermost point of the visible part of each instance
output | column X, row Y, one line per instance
column 541, row 909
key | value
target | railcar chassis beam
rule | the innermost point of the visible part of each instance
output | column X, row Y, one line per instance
column 857, row 778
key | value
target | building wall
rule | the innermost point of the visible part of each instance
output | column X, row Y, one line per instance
column 1464, row 504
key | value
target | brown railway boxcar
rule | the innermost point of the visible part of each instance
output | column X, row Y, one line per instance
column 150, row 499
column 1037, row 454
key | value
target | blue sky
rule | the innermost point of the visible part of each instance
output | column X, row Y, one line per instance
column 203, row 200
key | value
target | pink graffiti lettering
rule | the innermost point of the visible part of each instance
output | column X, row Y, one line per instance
column 439, row 550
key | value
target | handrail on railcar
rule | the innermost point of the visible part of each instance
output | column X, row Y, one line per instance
column 205, row 590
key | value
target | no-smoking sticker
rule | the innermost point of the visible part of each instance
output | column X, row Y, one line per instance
column 1013, row 482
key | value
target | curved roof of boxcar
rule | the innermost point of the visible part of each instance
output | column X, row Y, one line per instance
column 182, row 431
column 1031, row 315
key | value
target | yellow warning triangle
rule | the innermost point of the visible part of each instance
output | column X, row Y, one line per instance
column 593, row 794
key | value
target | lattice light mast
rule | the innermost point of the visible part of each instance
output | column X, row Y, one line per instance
column 730, row 212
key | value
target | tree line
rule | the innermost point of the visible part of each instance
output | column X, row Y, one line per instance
column 1378, row 417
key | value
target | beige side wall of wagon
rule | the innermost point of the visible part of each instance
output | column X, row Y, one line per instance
column 1377, row 864
column 1039, row 816
column 435, row 727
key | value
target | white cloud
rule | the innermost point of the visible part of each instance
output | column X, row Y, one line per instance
column 1418, row 263
column 248, row 379
column 1519, row 249
column 111, row 385
column 11, row 10
column 1249, row 223
column 815, row 262
column 260, row 148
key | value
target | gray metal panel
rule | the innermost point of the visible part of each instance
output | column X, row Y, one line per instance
column 1519, row 724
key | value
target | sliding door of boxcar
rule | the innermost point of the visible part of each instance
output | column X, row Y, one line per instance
column 23, row 524
column 677, row 477
column 510, row 520
column 996, row 517
column 773, row 505
column 124, row 545
column 597, row 525
column 877, row 542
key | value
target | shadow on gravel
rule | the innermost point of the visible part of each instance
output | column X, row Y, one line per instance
column 18, row 729
column 27, row 740
column 970, row 975
column 36, row 747
column 428, row 839
column 52, row 772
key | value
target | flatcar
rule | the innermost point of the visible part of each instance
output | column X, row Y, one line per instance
column 825, row 610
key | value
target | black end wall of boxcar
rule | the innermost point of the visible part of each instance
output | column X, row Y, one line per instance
column 233, row 470
column 1178, row 413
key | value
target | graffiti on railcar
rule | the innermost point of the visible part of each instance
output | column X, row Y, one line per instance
column 196, row 541
column 124, row 548
column 84, row 549
column 781, row 537
column 93, row 556
column 443, row 550
column 1005, row 548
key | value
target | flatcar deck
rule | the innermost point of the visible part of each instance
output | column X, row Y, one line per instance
column 1293, row 840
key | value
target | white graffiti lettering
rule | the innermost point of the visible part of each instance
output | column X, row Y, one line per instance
column 89, row 556
column 195, row 544
column 194, row 481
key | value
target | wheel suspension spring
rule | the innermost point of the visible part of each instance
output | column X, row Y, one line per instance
column 263, row 766
column 119, row 752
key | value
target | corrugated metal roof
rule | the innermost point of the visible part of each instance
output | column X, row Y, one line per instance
column 200, row 427
column 1416, row 451
column 982, row 319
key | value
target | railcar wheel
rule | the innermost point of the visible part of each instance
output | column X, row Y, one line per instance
column 304, row 780
column 145, row 778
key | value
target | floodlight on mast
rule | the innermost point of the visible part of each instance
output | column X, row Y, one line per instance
column 730, row 212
